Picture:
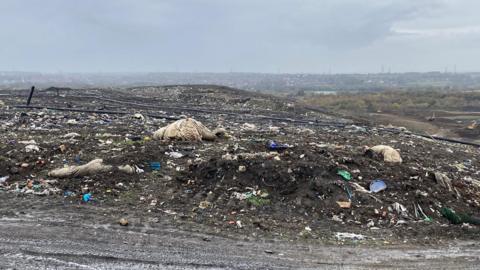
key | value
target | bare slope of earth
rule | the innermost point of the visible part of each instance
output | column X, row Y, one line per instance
column 456, row 125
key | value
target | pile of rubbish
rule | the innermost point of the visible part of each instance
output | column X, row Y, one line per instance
column 262, row 173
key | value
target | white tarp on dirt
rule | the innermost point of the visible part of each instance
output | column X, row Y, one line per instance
column 389, row 154
column 185, row 129
column 93, row 167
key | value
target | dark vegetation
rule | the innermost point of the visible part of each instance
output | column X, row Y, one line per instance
column 397, row 101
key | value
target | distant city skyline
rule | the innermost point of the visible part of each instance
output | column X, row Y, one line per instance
column 387, row 71
column 268, row 36
column 249, row 81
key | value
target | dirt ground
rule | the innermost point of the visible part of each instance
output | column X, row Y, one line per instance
column 463, row 126
column 234, row 187
column 53, row 234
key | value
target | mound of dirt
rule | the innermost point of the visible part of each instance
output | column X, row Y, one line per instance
column 316, row 186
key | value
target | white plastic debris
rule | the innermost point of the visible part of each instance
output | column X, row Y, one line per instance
column 3, row 179
column 139, row 116
column 249, row 127
column 400, row 209
column 28, row 142
column 174, row 154
column 71, row 135
column 350, row 236
column 32, row 148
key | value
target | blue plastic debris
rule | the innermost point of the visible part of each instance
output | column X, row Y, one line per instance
column 377, row 186
column 86, row 197
column 273, row 145
column 67, row 193
column 155, row 166
column 349, row 192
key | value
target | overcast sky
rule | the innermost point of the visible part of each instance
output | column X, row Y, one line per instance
column 294, row 36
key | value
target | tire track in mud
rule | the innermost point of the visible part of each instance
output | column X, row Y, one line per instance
column 60, row 239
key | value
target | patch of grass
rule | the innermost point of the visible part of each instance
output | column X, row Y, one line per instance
column 257, row 201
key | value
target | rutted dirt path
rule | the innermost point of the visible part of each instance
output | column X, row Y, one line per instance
column 35, row 235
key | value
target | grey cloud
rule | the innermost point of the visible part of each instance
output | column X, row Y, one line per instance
column 220, row 35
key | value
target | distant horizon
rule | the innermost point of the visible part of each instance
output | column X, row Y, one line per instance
column 247, row 80
column 234, row 72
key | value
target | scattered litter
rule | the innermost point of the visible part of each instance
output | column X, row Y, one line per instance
column 451, row 215
column 28, row 142
column 123, row 222
column 169, row 212
column 274, row 146
column 345, row 175
column 344, row 204
column 205, row 204
column 239, row 224
column 32, row 148
column 359, row 188
column 349, row 236
column 249, row 127
column 247, row 156
column 458, row 218
column 71, row 135
column 400, row 209
column 87, row 197
column 4, row 179
column 337, row 218
column 128, row 169
column 139, row 116
column 62, row 148
column 377, row 186
column 239, row 178
column 443, row 180
column 255, row 197
column 155, row 165
column 306, row 232
column 273, row 129
column 68, row 193
column 174, row 154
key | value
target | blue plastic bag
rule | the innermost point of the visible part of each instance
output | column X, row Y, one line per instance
column 155, row 166
column 377, row 186
column 86, row 197
column 273, row 145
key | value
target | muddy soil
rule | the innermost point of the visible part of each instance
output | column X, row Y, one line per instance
column 54, row 234
column 235, row 186
column 463, row 126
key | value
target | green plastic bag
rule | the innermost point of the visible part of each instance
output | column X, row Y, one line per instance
column 345, row 175
column 458, row 218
